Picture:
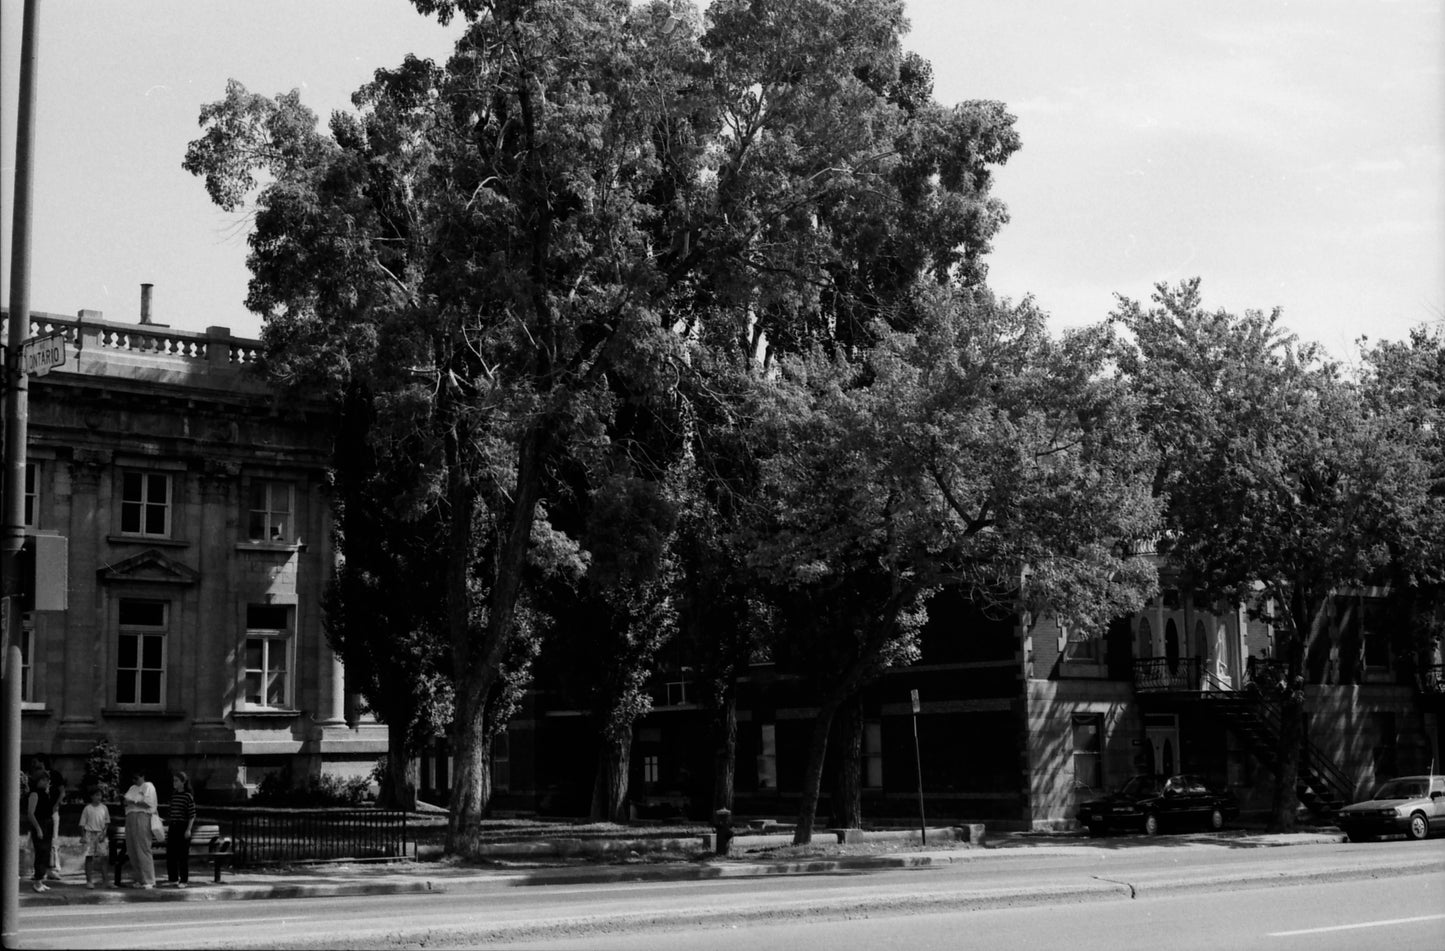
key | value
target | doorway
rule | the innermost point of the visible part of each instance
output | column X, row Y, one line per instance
column 1161, row 742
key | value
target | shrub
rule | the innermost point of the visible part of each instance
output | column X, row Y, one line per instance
column 102, row 770
column 279, row 789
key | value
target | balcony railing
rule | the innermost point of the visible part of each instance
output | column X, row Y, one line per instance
column 1163, row 674
column 1432, row 679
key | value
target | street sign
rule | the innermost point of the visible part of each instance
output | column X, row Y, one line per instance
column 40, row 355
column 913, row 695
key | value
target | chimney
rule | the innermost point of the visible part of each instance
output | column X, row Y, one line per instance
column 145, row 303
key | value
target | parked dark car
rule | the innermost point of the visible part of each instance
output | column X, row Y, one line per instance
column 1409, row 805
column 1151, row 803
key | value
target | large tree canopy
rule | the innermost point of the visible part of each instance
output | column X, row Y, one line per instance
column 1281, row 483
column 507, row 254
column 975, row 452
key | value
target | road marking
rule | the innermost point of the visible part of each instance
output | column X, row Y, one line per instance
column 1362, row 924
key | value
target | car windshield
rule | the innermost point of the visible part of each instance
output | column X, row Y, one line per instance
column 1141, row 786
column 1401, row 789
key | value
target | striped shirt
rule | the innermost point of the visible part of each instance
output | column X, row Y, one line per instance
column 182, row 811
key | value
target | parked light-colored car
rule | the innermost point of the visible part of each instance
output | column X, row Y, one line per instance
column 1409, row 805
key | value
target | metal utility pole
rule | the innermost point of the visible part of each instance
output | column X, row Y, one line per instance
column 918, row 761
column 17, row 395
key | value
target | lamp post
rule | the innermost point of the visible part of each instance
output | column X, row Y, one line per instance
column 16, row 435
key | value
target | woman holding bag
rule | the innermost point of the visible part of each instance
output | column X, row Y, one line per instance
column 141, row 815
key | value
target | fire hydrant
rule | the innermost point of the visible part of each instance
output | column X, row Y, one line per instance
column 722, row 824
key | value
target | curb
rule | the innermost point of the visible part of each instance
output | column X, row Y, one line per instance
column 244, row 891
column 413, row 882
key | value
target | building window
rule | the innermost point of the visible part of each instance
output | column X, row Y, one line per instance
column 768, row 757
column 1088, row 747
column 1387, row 740
column 1080, row 648
column 1374, row 633
column 27, row 659
column 873, row 755
column 650, row 768
column 141, row 659
column 1145, row 647
column 270, row 509
column 145, row 504
column 501, row 762
column 32, row 495
column 267, row 680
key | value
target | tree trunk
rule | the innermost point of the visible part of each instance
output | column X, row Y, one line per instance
column 1307, row 606
column 477, row 664
column 609, row 791
column 725, row 752
column 845, row 754
column 1287, row 760
column 471, row 774
column 402, row 773
column 813, row 773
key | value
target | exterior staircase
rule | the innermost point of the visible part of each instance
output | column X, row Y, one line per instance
column 1320, row 785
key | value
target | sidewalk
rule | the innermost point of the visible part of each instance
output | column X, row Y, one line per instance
column 362, row 878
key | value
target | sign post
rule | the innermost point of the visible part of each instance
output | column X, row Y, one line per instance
column 918, row 760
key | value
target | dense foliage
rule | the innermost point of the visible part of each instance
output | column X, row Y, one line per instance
column 649, row 325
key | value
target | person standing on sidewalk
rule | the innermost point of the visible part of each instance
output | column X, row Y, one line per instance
column 39, row 814
column 57, row 795
column 180, row 821
column 94, row 822
column 140, row 807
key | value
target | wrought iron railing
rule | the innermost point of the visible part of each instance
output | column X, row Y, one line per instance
column 1432, row 678
column 266, row 836
column 1164, row 674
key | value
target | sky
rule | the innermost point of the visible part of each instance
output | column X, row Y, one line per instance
column 1289, row 154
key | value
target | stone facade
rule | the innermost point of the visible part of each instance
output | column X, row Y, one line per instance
column 194, row 504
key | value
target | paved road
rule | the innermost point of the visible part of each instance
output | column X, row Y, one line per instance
column 1119, row 878
column 1400, row 913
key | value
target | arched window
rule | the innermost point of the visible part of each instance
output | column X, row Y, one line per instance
column 1145, row 646
column 1171, row 645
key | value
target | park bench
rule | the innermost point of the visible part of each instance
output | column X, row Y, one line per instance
column 207, row 845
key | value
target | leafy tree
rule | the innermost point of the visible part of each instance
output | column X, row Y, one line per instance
column 1280, row 484
column 381, row 609
column 976, row 452
column 1404, row 384
column 501, row 249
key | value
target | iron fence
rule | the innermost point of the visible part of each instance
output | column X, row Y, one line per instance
column 266, row 836
column 1432, row 678
column 1160, row 674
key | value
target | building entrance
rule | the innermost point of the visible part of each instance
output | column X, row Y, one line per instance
column 1161, row 742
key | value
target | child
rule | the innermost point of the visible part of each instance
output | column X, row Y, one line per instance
column 94, row 822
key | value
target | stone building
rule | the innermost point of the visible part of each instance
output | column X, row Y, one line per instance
column 194, row 505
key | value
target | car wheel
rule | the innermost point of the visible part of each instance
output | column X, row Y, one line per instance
column 1151, row 824
column 1097, row 829
column 1419, row 828
column 1216, row 820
